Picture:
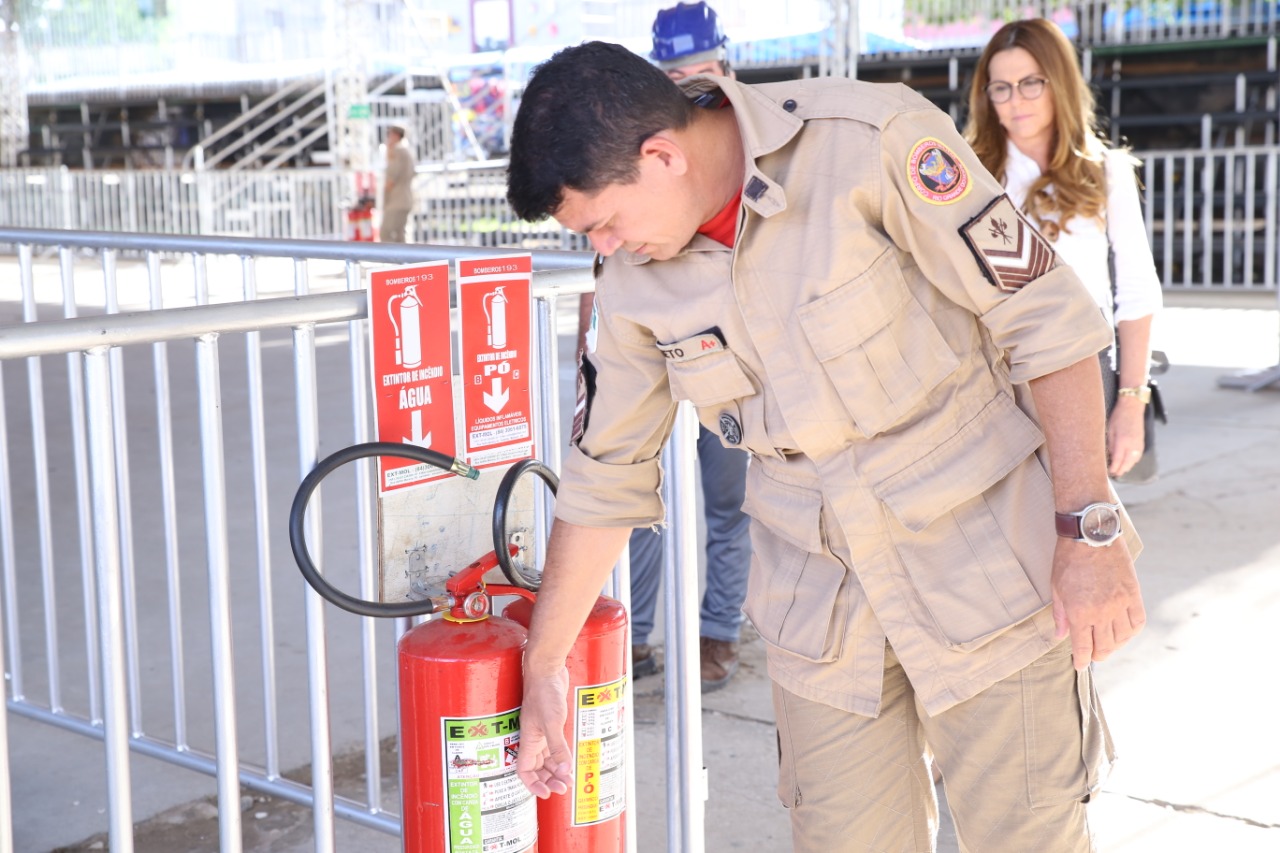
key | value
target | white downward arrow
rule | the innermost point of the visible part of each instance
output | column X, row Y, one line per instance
column 415, row 421
column 498, row 398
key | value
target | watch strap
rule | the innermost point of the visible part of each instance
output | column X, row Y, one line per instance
column 1067, row 524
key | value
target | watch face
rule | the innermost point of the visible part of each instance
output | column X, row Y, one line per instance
column 1100, row 524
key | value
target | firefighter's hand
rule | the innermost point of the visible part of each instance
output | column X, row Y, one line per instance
column 1096, row 599
column 545, row 764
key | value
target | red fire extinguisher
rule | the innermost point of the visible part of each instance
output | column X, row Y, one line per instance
column 591, row 817
column 360, row 220
column 461, row 688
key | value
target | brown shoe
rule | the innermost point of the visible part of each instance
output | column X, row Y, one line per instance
column 643, row 660
column 719, row 663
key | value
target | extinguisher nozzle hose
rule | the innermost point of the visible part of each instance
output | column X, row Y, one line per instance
column 298, row 512
column 462, row 469
column 500, row 503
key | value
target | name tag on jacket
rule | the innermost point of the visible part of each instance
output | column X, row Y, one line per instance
column 703, row 343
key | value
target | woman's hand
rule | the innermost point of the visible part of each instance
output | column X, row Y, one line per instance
column 1125, row 437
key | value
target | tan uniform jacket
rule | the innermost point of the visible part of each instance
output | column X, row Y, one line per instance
column 399, row 177
column 854, row 344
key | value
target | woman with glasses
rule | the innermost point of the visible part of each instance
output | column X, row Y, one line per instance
column 1032, row 124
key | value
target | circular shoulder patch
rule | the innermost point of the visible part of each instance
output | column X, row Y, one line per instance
column 936, row 173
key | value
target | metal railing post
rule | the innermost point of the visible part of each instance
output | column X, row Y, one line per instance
column 106, row 533
column 686, row 774
column 6, row 794
column 304, row 346
column 219, row 566
column 366, row 545
column 40, row 458
column 258, row 452
column 164, row 434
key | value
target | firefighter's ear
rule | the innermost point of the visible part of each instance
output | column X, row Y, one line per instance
column 665, row 149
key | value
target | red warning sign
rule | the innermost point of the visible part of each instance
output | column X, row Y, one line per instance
column 412, row 361
column 494, row 301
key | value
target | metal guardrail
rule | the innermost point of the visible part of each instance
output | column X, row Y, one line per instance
column 96, row 678
column 1213, row 217
column 285, row 203
column 1211, row 212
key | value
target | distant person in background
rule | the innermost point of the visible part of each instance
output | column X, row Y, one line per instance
column 688, row 40
column 397, row 187
column 1032, row 124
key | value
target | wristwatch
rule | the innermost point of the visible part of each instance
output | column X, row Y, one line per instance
column 1097, row 525
column 1143, row 394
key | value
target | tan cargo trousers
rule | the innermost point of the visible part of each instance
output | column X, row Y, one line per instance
column 1019, row 762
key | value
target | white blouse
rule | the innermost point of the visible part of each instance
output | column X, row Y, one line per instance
column 1085, row 247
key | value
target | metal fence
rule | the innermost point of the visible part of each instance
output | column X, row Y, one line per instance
column 1213, row 217
column 466, row 204
column 281, row 204
column 96, row 463
column 1212, row 213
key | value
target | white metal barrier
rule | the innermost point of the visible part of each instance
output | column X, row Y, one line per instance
column 281, row 204
column 132, row 458
column 466, row 204
column 1213, row 216
column 1211, row 212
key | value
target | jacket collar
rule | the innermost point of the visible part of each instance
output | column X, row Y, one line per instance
column 765, row 127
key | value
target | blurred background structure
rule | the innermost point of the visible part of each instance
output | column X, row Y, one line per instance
column 252, row 118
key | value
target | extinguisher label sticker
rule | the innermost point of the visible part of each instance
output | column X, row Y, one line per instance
column 489, row 807
column 412, row 363
column 599, row 792
column 495, row 309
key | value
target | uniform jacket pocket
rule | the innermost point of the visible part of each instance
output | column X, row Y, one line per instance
column 984, row 565
column 878, row 346
column 709, row 380
column 797, row 594
column 981, row 452
column 717, row 384
column 979, row 506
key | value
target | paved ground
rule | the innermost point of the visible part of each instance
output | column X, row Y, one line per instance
column 1191, row 701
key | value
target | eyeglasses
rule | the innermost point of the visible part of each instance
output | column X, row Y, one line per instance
column 1029, row 88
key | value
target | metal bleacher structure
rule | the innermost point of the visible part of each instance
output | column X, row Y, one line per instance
column 1191, row 85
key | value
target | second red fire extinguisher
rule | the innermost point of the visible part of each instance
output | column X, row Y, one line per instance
column 461, row 688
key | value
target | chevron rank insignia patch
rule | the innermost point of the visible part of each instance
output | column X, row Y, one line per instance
column 1008, row 248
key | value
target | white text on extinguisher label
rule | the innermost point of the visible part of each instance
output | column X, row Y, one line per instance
column 489, row 808
column 599, row 791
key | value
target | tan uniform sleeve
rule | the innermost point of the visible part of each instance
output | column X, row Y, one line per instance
column 939, row 204
column 612, row 475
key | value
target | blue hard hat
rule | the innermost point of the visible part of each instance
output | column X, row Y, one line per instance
column 684, row 33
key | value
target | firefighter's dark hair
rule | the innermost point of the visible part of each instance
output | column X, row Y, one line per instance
column 581, row 122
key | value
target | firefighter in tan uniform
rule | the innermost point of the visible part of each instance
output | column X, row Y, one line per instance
column 906, row 361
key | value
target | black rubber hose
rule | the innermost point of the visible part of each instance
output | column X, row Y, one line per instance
column 298, row 513
column 500, row 501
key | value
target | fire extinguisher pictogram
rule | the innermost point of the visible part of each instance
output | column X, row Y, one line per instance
column 460, row 691
column 495, row 312
column 407, row 323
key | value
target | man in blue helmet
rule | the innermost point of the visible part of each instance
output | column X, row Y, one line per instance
column 688, row 40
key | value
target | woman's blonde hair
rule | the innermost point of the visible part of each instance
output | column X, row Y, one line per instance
column 1075, row 161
